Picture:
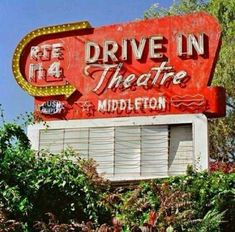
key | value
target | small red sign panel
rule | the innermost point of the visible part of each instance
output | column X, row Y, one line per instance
column 148, row 67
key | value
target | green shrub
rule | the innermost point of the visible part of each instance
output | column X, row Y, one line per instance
column 31, row 186
column 195, row 202
column 62, row 192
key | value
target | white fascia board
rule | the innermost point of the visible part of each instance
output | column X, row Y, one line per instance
column 122, row 121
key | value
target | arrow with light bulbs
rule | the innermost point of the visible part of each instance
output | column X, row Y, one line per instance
column 65, row 88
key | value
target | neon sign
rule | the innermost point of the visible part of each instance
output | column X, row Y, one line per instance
column 149, row 67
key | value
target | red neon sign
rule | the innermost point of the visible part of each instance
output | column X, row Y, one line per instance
column 149, row 67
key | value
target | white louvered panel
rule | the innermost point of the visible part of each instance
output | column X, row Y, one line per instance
column 77, row 139
column 52, row 140
column 154, row 154
column 127, row 151
column 101, row 148
column 181, row 149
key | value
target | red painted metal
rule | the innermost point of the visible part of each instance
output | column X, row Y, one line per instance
column 193, row 95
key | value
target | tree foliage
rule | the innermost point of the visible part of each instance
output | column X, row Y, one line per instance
column 222, row 131
column 11, row 131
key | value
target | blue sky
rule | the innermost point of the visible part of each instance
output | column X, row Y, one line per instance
column 18, row 17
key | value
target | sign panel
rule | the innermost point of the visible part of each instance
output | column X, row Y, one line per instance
column 148, row 67
column 130, row 148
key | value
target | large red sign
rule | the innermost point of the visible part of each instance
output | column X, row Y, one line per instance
column 147, row 67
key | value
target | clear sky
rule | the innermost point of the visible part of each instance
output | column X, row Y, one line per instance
column 19, row 17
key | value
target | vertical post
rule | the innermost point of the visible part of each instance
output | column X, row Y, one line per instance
column 33, row 133
column 200, row 139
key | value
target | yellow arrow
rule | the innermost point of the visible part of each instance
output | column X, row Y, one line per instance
column 41, row 91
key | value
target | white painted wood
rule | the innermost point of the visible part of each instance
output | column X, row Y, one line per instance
column 52, row 140
column 33, row 133
column 142, row 145
column 127, row 151
column 77, row 139
column 200, row 143
column 101, row 149
column 181, row 149
column 154, row 151
column 125, row 121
